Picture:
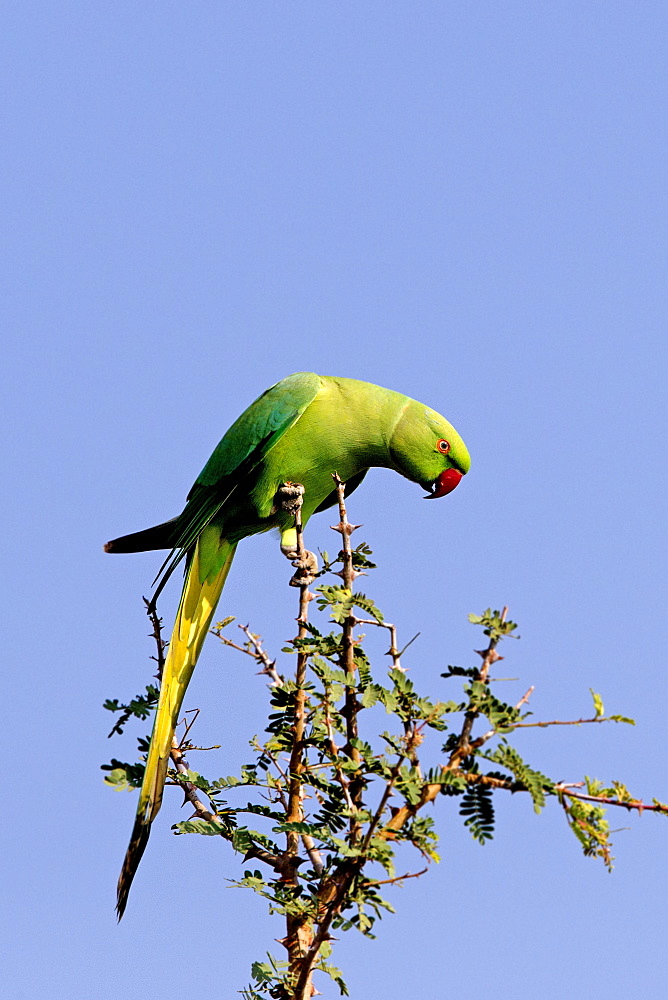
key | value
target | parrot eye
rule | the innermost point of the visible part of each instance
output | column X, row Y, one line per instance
column 443, row 446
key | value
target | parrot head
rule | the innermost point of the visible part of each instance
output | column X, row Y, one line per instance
column 426, row 449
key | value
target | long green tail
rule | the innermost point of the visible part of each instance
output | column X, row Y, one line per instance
column 201, row 591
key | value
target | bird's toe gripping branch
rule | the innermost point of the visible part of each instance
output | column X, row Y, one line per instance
column 290, row 497
column 306, row 569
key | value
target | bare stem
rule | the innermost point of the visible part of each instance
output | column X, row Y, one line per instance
column 398, row 879
column 560, row 722
column 630, row 804
column 255, row 649
column 394, row 650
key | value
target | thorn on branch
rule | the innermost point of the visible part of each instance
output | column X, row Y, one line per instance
column 490, row 655
column 354, row 573
column 345, row 529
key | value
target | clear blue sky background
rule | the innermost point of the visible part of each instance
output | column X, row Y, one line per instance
column 465, row 202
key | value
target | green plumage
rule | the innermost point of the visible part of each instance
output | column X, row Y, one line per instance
column 301, row 430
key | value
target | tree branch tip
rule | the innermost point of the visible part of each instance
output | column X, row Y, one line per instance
column 398, row 878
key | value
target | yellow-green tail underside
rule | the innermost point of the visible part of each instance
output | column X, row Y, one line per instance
column 203, row 585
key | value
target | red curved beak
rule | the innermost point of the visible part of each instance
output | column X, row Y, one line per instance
column 445, row 484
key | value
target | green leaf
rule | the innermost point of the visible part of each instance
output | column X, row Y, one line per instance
column 141, row 707
column 598, row 704
column 202, row 826
column 493, row 624
column 536, row 784
column 477, row 806
column 118, row 780
column 371, row 695
column 123, row 776
column 219, row 626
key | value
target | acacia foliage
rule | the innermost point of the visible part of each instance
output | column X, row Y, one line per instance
column 361, row 787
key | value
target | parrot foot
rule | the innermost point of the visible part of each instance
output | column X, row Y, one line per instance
column 290, row 496
column 306, row 567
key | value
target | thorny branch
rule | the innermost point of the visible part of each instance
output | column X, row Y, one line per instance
column 461, row 751
column 489, row 656
column 178, row 751
column 337, row 881
column 398, row 879
column 393, row 651
column 252, row 648
column 632, row 805
column 160, row 643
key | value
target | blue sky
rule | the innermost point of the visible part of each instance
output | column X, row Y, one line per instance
column 465, row 202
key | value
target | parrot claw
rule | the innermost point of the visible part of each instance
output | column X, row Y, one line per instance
column 290, row 496
column 306, row 568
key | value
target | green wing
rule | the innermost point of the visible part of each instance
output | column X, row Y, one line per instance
column 243, row 447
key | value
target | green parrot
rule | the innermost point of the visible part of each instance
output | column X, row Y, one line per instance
column 301, row 430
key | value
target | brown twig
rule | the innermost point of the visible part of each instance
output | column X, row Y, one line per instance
column 255, row 649
column 188, row 724
column 190, row 790
column 399, row 878
column 631, row 804
column 394, row 650
column 179, row 761
column 524, row 700
column 560, row 722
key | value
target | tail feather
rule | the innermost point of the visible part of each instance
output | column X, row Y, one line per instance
column 133, row 855
column 160, row 536
column 204, row 582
